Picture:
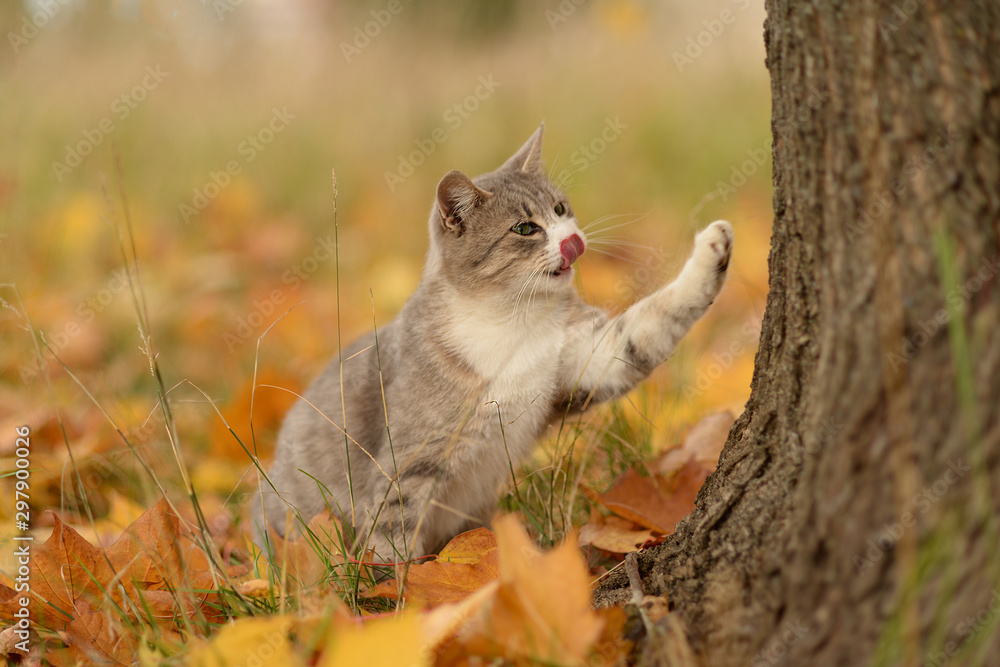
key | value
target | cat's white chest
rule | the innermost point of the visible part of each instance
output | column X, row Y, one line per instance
column 518, row 359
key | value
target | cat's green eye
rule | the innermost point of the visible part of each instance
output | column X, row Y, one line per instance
column 560, row 209
column 524, row 228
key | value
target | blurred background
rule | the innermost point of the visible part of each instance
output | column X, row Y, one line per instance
column 219, row 122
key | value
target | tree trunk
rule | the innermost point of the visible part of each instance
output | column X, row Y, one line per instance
column 853, row 516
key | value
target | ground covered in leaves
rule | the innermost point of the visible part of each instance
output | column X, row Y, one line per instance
column 166, row 591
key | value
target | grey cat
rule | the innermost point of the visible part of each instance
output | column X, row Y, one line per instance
column 494, row 346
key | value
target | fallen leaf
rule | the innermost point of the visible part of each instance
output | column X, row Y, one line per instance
column 13, row 639
column 614, row 534
column 255, row 588
column 541, row 609
column 466, row 564
column 469, row 547
column 332, row 639
column 248, row 641
column 703, row 443
column 442, row 623
column 654, row 502
column 64, row 569
column 98, row 638
column 387, row 642
column 89, row 594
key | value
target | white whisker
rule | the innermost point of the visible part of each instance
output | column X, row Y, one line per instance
column 622, row 224
column 520, row 293
column 592, row 223
column 622, row 243
column 619, row 256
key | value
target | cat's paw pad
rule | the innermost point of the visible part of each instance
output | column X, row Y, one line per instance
column 714, row 245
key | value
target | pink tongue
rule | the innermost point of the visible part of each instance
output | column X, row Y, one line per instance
column 570, row 248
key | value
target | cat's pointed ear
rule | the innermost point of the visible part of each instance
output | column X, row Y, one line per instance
column 457, row 197
column 529, row 156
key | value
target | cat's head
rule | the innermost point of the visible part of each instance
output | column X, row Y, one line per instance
column 507, row 232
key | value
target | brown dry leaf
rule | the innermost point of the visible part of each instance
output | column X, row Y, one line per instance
column 541, row 609
column 614, row 534
column 95, row 637
column 466, row 564
column 150, row 549
column 656, row 503
column 63, row 570
column 703, row 443
column 12, row 642
column 71, row 579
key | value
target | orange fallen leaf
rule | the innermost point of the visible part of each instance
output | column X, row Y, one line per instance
column 89, row 594
column 466, row 564
column 100, row 638
column 541, row 608
column 702, row 443
column 469, row 547
column 614, row 534
column 653, row 502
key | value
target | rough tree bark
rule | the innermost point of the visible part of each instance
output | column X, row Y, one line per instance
column 853, row 518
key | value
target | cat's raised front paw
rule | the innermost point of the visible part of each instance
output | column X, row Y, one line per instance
column 713, row 246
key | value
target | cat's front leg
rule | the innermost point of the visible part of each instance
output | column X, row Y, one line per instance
column 605, row 358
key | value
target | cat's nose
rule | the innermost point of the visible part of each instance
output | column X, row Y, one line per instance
column 571, row 248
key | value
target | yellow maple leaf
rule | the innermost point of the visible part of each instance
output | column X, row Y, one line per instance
column 249, row 641
column 387, row 642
